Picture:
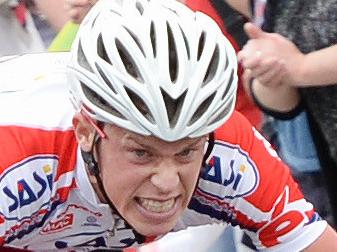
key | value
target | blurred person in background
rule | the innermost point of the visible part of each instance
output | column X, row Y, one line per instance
column 30, row 25
column 18, row 32
column 75, row 10
column 293, row 77
column 49, row 17
column 53, row 11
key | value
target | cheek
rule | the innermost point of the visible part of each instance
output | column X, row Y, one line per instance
column 190, row 176
column 111, row 167
column 111, row 161
column 120, row 178
column 119, row 186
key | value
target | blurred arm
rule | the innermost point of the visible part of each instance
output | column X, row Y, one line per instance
column 270, row 55
column 326, row 242
column 318, row 68
column 280, row 98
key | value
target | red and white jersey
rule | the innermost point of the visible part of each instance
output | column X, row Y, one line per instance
column 47, row 201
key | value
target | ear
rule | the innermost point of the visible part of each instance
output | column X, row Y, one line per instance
column 84, row 132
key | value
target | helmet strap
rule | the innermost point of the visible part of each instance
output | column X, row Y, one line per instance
column 209, row 149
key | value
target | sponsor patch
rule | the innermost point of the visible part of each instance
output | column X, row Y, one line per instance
column 25, row 194
column 27, row 182
column 60, row 224
column 232, row 172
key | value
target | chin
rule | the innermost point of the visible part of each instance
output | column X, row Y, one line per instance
column 152, row 223
column 154, row 229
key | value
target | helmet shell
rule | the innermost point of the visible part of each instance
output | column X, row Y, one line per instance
column 153, row 67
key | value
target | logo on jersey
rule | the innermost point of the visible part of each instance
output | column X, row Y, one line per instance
column 60, row 224
column 26, row 182
column 287, row 217
column 234, row 174
column 115, row 240
column 91, row 221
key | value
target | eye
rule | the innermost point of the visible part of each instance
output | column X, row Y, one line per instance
column 139, row 156
column 186, row 153
column 140, row 153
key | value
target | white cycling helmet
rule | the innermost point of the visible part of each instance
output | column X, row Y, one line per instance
column 153, row 67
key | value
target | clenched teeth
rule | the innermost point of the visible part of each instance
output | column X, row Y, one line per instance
column 157, row 206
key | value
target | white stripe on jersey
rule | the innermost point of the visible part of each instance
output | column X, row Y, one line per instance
column 35, row 93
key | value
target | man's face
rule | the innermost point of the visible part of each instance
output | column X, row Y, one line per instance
column 149, row 181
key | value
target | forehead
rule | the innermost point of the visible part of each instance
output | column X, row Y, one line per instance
column 128, row 137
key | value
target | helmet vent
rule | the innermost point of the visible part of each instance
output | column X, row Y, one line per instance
column 96, row 99
column 202, row 108
column 128, row 62
column 173, row 57
column 140, row 8
column 105, row 78
column 153, row 39
column 226, row 111
column 140, row 105
column 94, row 22
column 101, row 51
column 173, row 107
column 226, row 63
column 212, row 67
column 201, row 45
column 172, row 10
column 135, row 39
column 82, row 59
column 231, row 77
column 115, row 12
column 186, row 43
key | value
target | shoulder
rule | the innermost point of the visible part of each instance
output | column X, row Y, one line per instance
column 240, row 132
column 19, row 72
column 245, row 183
column 38, row 114
column 236, row 129
column 34, row 91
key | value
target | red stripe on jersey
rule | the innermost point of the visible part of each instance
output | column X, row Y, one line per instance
column 19, row 143
column 63, row 192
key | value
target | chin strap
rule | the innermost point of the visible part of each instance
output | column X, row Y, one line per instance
column 209, row 149
column 93, row 169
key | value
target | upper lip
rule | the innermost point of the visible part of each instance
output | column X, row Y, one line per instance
column 158, row 199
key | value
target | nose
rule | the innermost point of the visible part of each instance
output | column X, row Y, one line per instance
column 166, row 177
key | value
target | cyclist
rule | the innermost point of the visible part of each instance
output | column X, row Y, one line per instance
column 151, row 145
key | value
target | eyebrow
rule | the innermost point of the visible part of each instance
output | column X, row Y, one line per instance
column 134, row 139
column 149, row 146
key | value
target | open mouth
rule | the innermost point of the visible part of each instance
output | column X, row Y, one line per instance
column 157, row 206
